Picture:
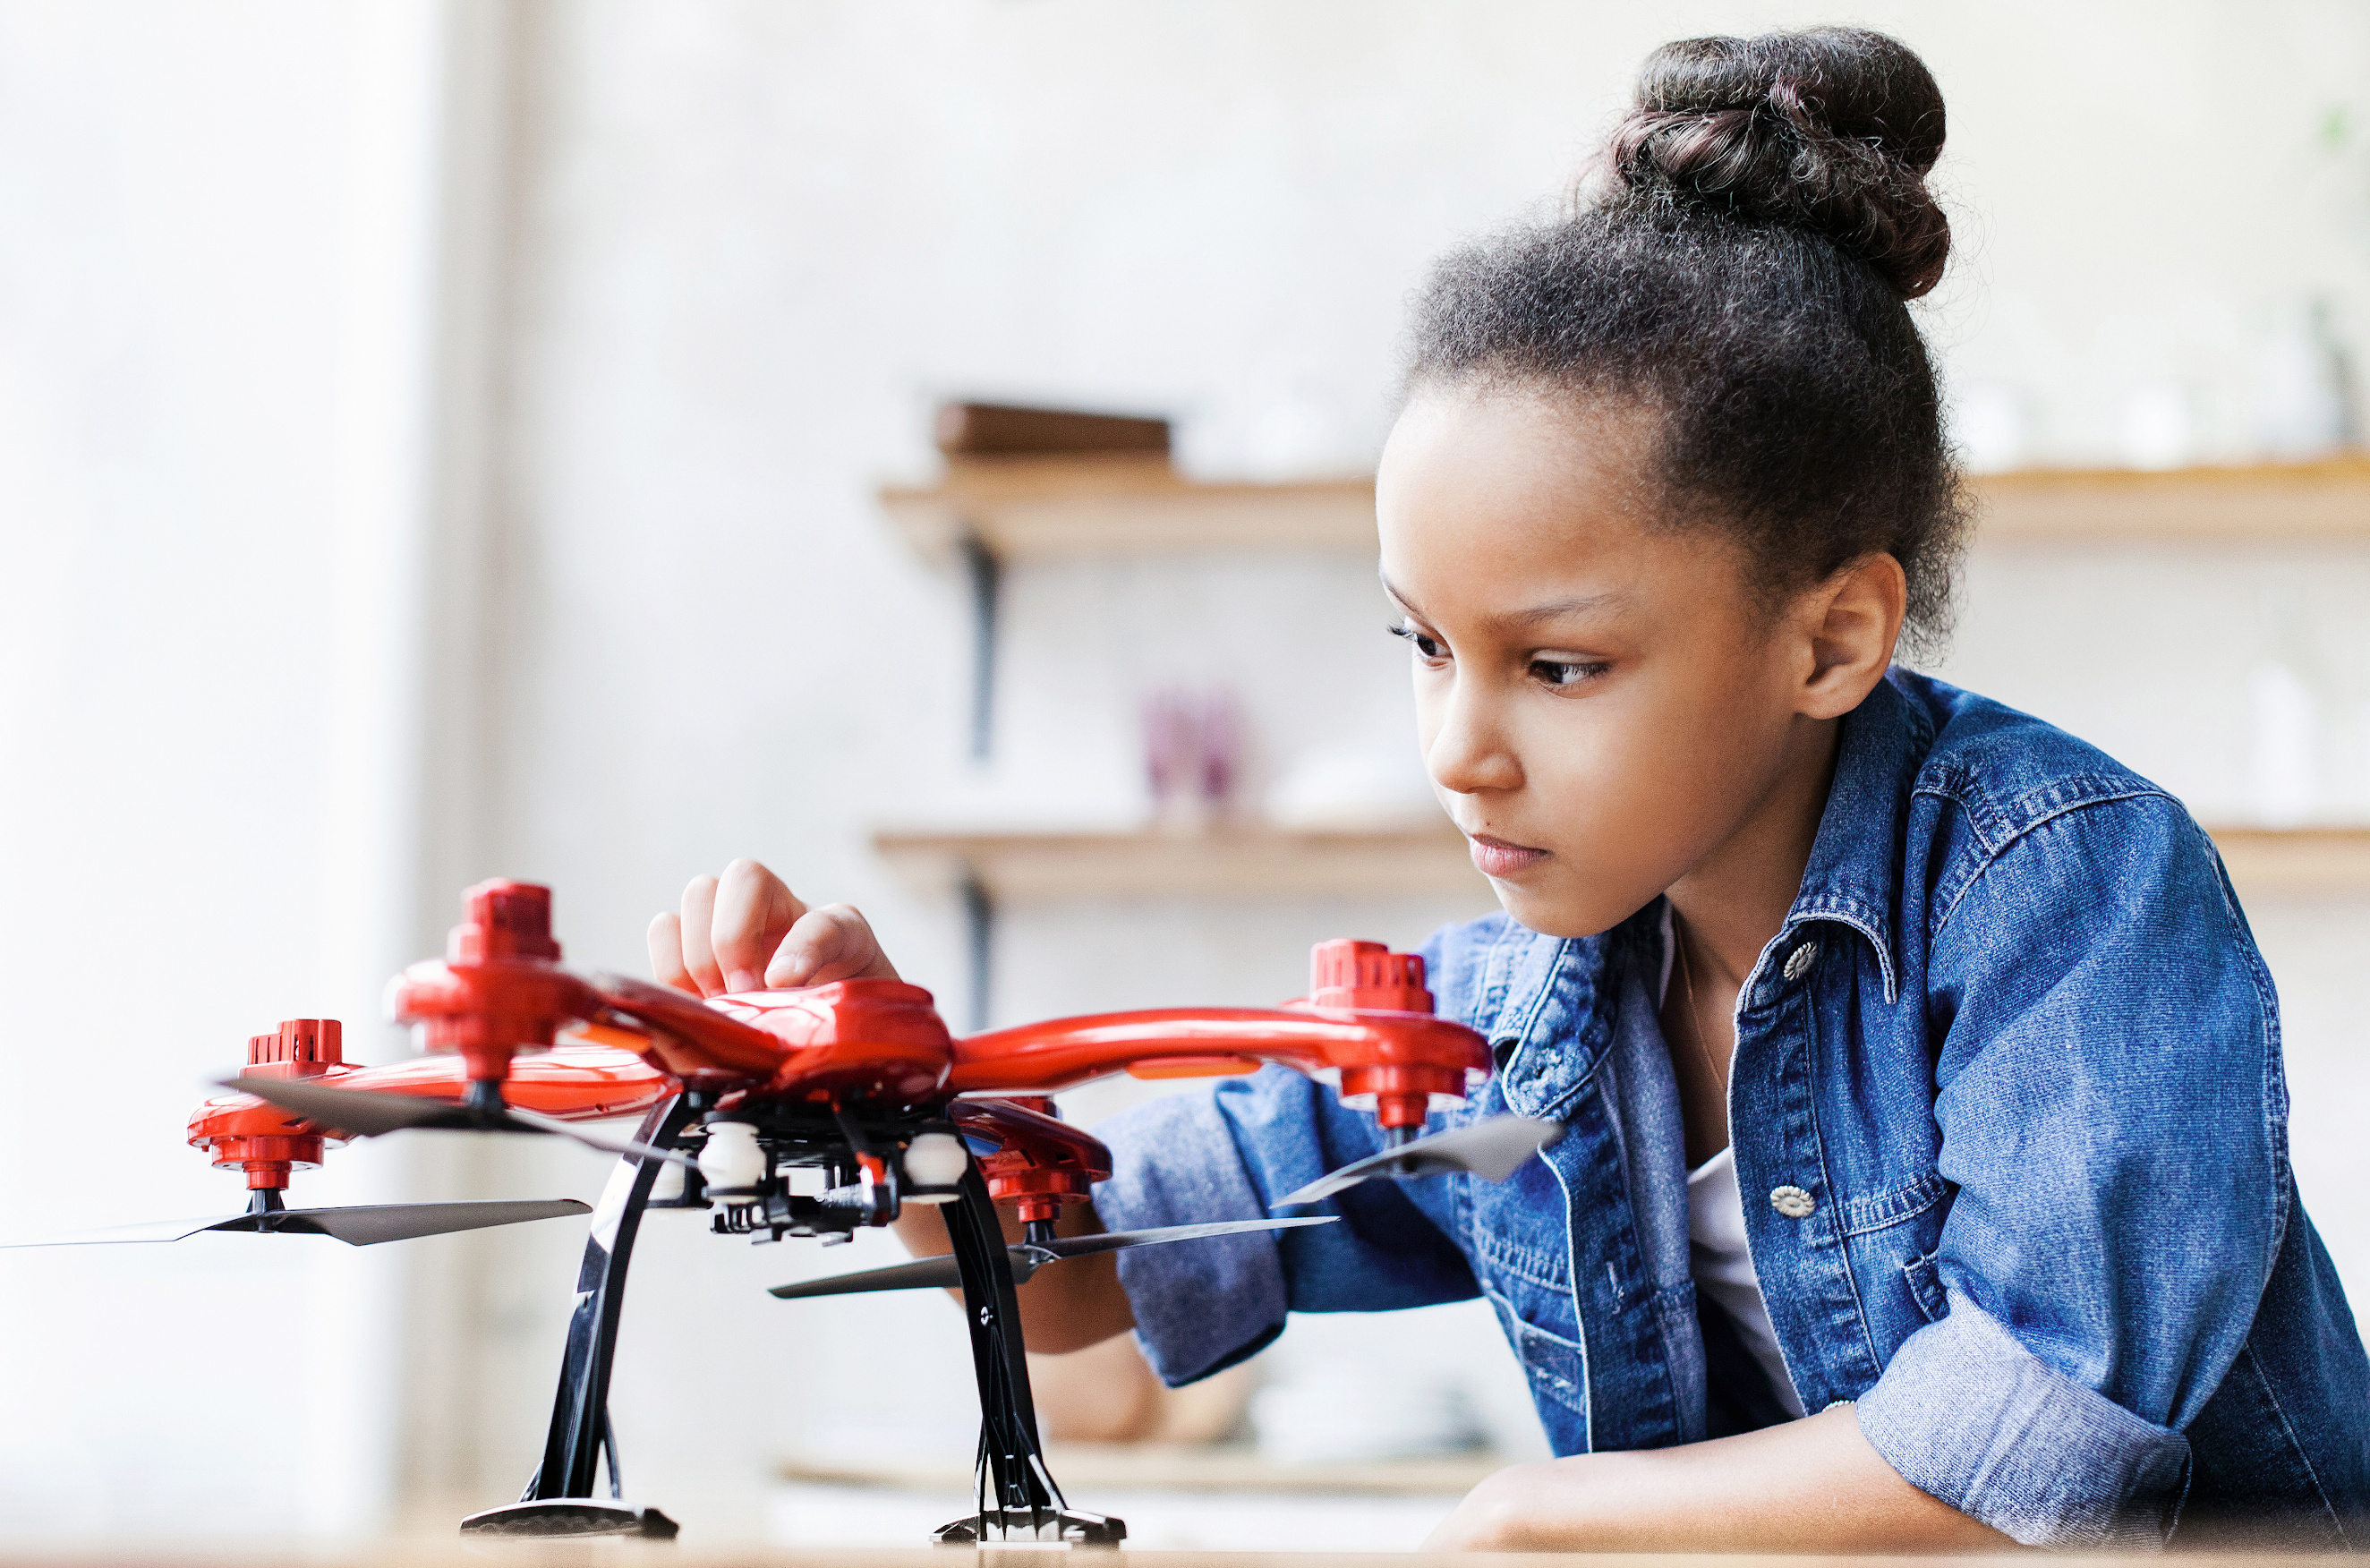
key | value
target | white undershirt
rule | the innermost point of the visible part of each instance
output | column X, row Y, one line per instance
column 1722, row 1266
column 1717, row 1254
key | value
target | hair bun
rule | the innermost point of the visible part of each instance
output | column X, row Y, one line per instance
column 1831, row 130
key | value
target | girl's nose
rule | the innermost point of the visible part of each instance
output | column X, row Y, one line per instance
column 1468, row 753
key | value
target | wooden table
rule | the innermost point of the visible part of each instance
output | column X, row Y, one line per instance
column 652, row 1554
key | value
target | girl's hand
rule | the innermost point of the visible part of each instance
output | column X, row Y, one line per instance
column 747, row 931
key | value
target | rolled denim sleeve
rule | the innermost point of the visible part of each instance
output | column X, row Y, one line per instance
column 2112, row 1116
column 1969, row 1415
column 1229, row 1153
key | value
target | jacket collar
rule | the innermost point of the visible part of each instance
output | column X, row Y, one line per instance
column 1854, row 875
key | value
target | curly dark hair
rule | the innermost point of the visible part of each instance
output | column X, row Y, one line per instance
column 1743, row 275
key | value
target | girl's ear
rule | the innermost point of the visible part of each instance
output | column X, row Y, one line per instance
column 1852, row 620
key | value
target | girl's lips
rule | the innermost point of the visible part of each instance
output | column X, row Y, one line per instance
column 1497, row 859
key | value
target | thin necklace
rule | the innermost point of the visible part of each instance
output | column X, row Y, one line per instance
column 1687, row 984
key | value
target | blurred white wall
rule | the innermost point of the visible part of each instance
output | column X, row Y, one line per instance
column 172, row 298
column 239, row 335
column 723, row 256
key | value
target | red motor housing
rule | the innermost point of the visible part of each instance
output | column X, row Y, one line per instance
column 1370, row 978
column 1041, row 1162
column 500, row 989
column 1345, row 974
column 244, row 1132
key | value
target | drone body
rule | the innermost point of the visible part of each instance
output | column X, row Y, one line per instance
column 859, row 1081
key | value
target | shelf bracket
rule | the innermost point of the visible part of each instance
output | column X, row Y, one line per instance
column 979, row 940
column 983, row 576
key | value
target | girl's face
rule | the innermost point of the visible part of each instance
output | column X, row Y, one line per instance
column 1603, row 703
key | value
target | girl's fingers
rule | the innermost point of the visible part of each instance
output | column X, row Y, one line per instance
column 666, row 954
column 754, row 910
column 831, row 943
column 698, row 919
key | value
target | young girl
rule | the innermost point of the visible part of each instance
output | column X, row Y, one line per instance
column 1926, row 1181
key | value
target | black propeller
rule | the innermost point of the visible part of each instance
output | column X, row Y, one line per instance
column 367, row 1114
column 357, row 1224
column 1491, row 1148
column 1027, row 1257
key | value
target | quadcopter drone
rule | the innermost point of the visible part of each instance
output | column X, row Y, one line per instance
column 857, row 1083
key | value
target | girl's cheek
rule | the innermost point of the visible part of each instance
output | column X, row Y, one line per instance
column 1432, row 704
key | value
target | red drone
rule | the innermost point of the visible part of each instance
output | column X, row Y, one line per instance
column 859, row 1079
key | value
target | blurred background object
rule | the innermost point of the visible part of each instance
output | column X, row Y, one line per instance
column 976, row 430
column 589, row 441
column 1193, row 756
column 2304, row 398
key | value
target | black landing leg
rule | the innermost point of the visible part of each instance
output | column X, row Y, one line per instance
column 1017, row 1499
column 559, row 1500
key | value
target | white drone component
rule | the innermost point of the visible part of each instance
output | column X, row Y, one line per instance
column 730, row 1160
column 935, row 1163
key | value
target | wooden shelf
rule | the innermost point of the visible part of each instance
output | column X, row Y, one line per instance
column 1086, row 1469
column 1248, row 862
column 1122, row 503
column 1261, row 862
column 2271, row 503
column 1022, row 508
column 2296, row 860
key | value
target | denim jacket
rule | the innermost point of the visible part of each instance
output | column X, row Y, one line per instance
column 2009, row 1117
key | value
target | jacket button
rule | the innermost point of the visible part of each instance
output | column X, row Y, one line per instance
column 1792, row 1202
column 1801, row 958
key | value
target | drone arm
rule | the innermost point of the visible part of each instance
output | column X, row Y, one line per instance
column 500, row 992
column 870, row 1040
column 686, row 1036
column 1168, row 1041
column 1402, row 1059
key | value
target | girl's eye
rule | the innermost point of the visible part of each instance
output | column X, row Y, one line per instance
column 1426, row 645
column 1563, row 673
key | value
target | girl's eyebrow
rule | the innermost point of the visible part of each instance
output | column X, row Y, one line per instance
column 1578, row 604
column 1555, row 609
